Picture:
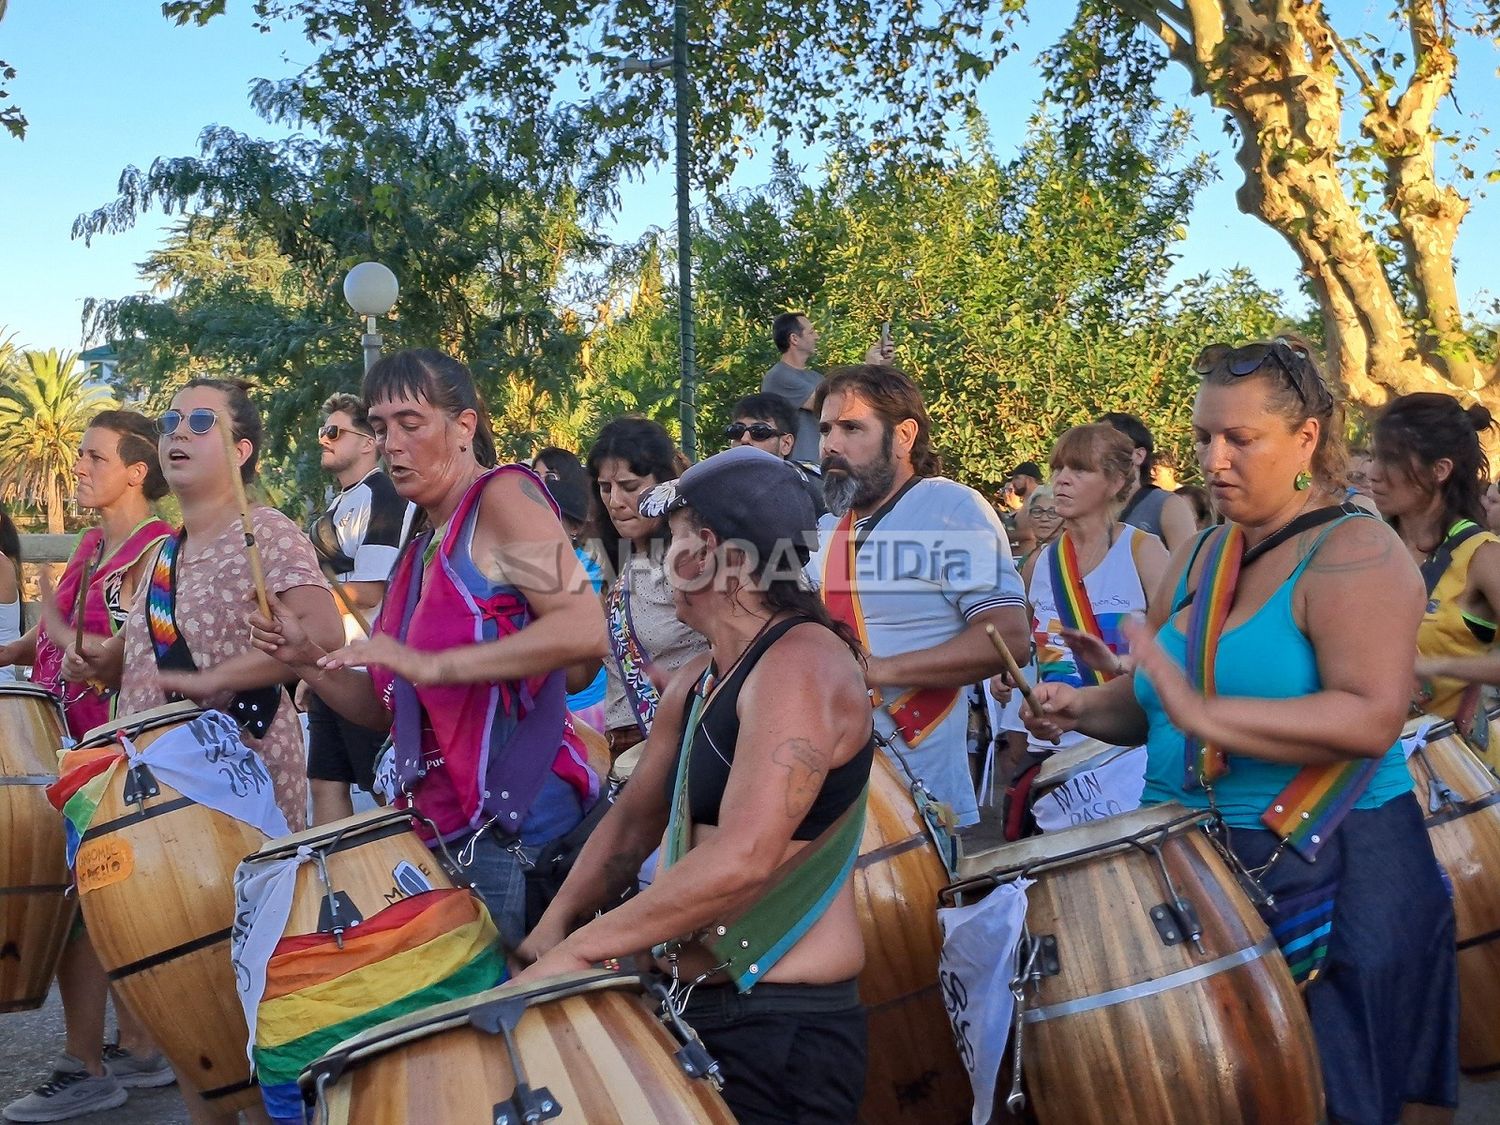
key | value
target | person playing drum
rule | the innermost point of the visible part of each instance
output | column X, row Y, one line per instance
column 119, row 477
column 756, row 768
column 1428, row 475
column 187, row 634
column 1081, row 588
column 1279, row 674
column 484, row 613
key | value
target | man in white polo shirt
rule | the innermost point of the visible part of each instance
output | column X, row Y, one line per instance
column 918, row 565
column 357, row 540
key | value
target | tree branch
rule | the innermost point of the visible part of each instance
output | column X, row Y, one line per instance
column 1372, row 91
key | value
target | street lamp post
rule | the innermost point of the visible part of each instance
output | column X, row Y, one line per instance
column 682, row 96
column 371, row 290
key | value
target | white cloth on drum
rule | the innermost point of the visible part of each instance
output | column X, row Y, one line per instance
column 980, row 944
column 1417, row 739
column 1096, row 794
column 263, row 893
column 206, row 762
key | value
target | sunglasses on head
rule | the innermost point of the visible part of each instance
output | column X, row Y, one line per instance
column 199, row 421
column 331, row 432
column 758, row 431
column 1241, row 361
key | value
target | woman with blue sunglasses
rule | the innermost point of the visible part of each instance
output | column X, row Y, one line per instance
column 194, row 642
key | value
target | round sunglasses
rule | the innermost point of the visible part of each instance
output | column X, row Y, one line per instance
column 199, row 421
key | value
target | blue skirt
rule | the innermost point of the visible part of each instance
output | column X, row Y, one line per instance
column 1384, row 1003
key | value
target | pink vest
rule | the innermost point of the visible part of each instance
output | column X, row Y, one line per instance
column 483, row 750
column 85, row 707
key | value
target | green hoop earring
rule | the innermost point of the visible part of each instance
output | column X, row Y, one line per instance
column 1303, row 481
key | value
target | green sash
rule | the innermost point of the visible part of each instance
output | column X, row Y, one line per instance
column 747, row 944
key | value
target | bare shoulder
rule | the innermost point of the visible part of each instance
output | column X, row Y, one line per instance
column 809, row 657
column 1364, row 549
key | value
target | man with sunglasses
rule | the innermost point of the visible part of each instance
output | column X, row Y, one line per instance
column 357, row 540
column 767, row 422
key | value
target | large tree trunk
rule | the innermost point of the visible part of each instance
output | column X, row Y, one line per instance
column 1274, row 66
column 54, row 507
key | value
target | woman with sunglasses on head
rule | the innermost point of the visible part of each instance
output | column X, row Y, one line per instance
column 1303, row 674
column 647, row 641
column 1428, row 475
column 1146, row 505
column 486, row 612
column 119, row 476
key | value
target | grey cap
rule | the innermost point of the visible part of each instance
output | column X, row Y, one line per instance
column 748, row 495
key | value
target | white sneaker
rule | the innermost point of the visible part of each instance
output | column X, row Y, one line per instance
column 71, row 1092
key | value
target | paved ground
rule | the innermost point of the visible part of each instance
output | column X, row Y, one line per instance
column 30, row 1040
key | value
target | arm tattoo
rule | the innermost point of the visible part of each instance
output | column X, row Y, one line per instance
column 804, row 762
column 1360, row 548
column 530, row 490
column 619, row 873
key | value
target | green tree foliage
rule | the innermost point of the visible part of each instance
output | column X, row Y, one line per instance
column 250, row 284
column 12, row 120
column 807, row 71
column 46, row 403
column 1025, row 296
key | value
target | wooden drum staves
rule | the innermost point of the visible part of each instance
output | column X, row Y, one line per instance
column 1130, row 1019
column 156, row 884
column 914, row 1074
column 590, row 1052
column 372, row 859
column 1461, row 804
column 36, row 900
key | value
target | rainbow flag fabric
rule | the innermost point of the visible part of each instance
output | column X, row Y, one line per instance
column 432, row 947
column 84, row 777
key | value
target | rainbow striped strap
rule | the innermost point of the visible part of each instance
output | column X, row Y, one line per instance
column 1306, row 813
column 1072, row 599
column 1204, row 764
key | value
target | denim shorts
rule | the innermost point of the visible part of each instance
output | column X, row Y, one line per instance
column 787, row 1052
column 496, row 868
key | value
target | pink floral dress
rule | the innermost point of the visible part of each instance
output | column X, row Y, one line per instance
column 215, row 596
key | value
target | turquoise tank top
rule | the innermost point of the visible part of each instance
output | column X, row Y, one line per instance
column 1266, row 657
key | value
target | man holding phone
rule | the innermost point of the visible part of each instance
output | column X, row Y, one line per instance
column 792, row 380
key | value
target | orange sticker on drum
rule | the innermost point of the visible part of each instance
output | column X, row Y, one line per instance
column 104, row 862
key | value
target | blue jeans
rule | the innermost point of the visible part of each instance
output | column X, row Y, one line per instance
column 496, row 869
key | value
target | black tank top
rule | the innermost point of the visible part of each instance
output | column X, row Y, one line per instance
column 719, row 730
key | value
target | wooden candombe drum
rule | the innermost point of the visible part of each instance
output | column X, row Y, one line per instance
column 1131, row 1019
column 1460, row 801
column 914, row 1074
column 36, row 899
column 372, row 860
column 156, row 883
column 578, row 1049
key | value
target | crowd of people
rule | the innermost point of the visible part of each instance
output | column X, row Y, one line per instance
column 744, row 634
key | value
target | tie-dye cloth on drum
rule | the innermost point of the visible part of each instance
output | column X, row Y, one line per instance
column 203, row 759
column 304, row 994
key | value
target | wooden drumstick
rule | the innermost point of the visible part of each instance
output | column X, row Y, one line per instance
column 1014, row 669
column 257, row 573
column 341, row 593
column 83, row 594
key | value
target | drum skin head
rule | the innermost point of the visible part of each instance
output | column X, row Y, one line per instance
column 138, row 721
column 1065, row 765
column 347, row 828
column 1093, row 838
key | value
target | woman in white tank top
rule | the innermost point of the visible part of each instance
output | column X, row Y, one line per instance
column 1081, row 588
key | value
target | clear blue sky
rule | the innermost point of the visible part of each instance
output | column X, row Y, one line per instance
column 108, row 83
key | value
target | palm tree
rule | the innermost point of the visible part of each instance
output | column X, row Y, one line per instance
column 46, row 402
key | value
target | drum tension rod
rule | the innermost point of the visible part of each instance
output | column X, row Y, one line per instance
column 525, row 1106
column 1438, row 792
column 1187, row 926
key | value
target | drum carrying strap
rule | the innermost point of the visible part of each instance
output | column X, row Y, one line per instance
column 1071, row 597
column 254, row 708
column 1307, row 812
column 915, row 713
column 747, row 944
